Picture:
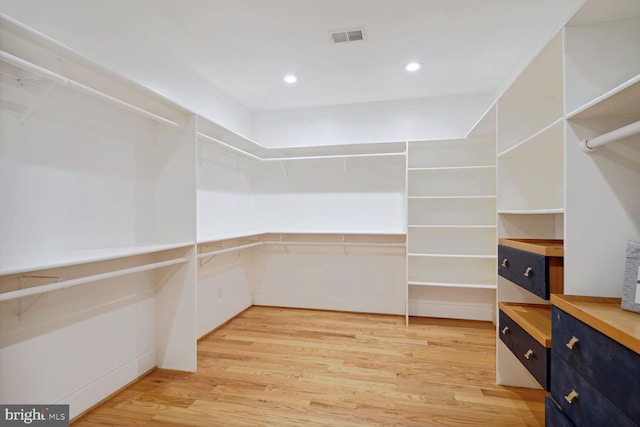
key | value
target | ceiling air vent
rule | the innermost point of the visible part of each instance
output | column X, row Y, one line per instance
column 347, row 36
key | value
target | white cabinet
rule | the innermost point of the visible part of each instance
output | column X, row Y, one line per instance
column 451, row 231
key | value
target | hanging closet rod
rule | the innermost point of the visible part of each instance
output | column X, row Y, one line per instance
column 6, row 296
column 591, row 144
column 28, row 66
column 231, row 249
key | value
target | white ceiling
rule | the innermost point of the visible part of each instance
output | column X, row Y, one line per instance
column 245, row 47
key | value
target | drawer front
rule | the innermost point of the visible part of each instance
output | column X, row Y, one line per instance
column 607, row 365
column 589, row 407
column 513, row 264
column 553, row 416
column 522, row 344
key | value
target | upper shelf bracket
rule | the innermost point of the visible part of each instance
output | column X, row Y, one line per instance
column 22, row 307
column 43, row 95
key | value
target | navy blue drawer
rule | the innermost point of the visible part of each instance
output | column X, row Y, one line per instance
column 589, row 407
column 533, row 355
column 608, row 366
column 553, row 416
column 526, row 269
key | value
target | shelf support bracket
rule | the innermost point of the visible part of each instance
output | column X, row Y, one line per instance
column 45, row 92
column 209, row 259
column 284, row 169
column 344, row 165
column 22, row 307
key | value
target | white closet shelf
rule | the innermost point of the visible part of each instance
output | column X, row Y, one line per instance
column 229, row 249
column 451, row 197
column 258, row 152
column 452, row 226
column 340, row 236
column 483, row 285
column 525, row 141
column 451, row 168
column 285, row 242
column 213, row 140
column 436, row 255
column 621, row 101
column 341, row 232
column 531, row 211
column 64, row 284
column 212, row 238
column 333, row 243
column 44, row 262
column 64, row 81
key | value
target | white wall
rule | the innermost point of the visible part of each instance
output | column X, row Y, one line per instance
column 360, row 279
column 223, row 289
column 169, row 76
column 317, row 195
column 414, row 119
column 225, row 203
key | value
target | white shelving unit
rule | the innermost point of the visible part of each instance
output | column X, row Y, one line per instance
column 97, row 227
column 584, row 83
column 451, row 231
column 530, row 162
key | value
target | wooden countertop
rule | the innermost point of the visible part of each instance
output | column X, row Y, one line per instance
column 533, row 318
column 546, row 247
column 604, row 315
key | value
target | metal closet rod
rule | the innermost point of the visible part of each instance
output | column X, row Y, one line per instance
column 297, row 243
column 57, row 78
column 6, row 296
column 591, row 144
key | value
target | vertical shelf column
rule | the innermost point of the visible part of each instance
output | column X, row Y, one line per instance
column 451, row 226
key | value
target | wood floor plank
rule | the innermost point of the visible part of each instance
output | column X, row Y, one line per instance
column 291, row 367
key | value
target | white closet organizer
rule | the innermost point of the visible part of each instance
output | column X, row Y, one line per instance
column 97, row 262
column 451, row 230
column 323, row 217
column 583, row 84
column 530, row 140
column 602, row 96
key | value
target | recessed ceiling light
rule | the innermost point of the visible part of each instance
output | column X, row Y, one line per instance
column 290, row 78
column 413, row 66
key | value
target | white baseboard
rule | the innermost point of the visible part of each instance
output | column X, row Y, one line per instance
column 338, row 304
column 451, row 310
column 99, row 389
column 218, row 318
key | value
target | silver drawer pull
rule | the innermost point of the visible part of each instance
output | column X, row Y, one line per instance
column 505, row 262
column 528, row 271
column 528, row 354
column 571, row 396
column 573, row 341
column 505, row 330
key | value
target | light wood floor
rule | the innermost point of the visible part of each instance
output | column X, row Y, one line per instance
column 289, row 367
